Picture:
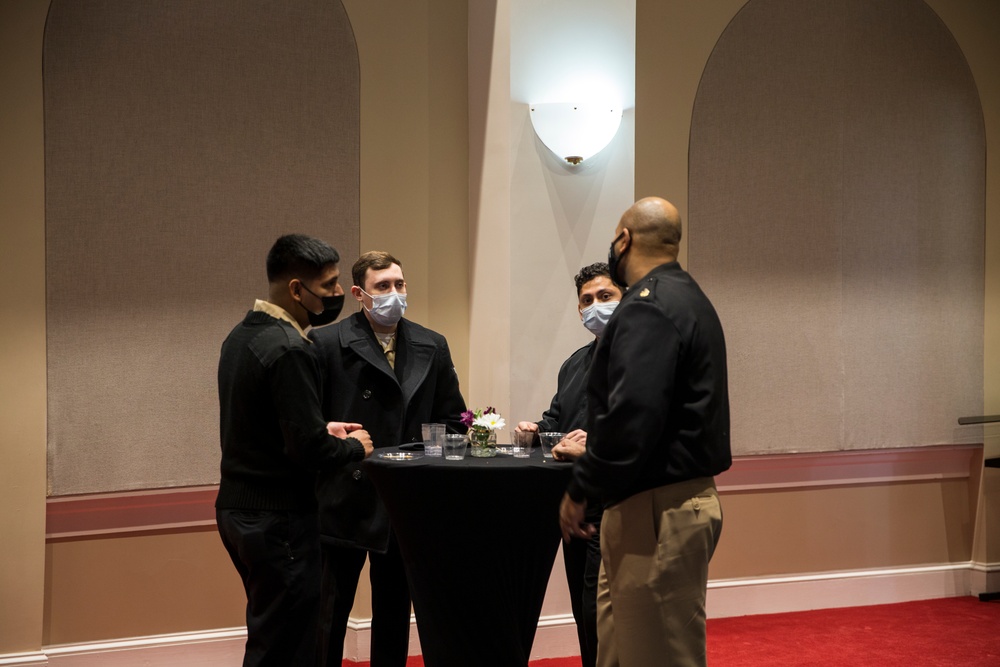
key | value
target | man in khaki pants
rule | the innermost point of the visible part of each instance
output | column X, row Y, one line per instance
column 658, row 433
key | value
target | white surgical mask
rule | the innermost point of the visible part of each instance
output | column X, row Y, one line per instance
column 387, row 309
column 596, row 316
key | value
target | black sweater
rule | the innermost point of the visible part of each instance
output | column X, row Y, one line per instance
column 274, row 437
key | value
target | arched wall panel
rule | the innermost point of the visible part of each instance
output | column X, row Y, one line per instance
column 181, row 138
column 837, row 220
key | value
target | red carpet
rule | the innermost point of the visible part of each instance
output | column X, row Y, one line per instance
column 939, row 633
column 950, row 632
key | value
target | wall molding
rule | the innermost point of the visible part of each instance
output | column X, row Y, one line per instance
column 100, row 514
column 191, row 507
column 870, row 466
column 556, row 635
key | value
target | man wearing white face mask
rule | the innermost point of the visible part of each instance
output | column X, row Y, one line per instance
column 597, row 297
column 395, row 375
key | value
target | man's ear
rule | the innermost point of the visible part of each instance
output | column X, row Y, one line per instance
column 356, row 292
column 295, row 289
column 627, row 240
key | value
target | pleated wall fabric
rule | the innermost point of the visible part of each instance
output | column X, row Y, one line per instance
column 837, row 220
column 182, row 137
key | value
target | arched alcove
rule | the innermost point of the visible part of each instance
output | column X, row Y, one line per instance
column 181, row 138
column 837, row 194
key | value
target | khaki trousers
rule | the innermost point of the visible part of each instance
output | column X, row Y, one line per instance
column 655, row 549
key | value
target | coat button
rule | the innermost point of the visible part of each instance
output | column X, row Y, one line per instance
column 366, row 394
column 356, row 474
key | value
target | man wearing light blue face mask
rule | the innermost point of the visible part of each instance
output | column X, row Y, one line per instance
column 597, row 298
column 396, row 375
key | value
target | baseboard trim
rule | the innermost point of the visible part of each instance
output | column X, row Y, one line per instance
column 772, row 595
column 33, row 659
column 556, row 634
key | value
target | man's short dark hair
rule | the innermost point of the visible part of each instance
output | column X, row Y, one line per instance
column 376, row 260
column 299, row 256
column 590, row 272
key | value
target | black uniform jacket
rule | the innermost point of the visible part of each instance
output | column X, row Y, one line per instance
column 568, row 410
column 360, row 386
column 658, row 392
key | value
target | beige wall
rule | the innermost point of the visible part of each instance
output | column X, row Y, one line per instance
column 661, row 150
column 780, row 532
column 414, row 143
column 22, row 312
column 143, row 584
column 414, row 189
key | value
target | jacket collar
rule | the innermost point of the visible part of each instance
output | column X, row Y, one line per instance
column 414, row 351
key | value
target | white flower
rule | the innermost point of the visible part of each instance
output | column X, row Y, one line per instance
column 491, row 421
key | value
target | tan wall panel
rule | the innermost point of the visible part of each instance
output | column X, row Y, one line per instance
column 664, row 96
column 133, row 586
column 22, row 312
column 975, row 25
column 182, row 138
column 828, row 143
column 773, row 533
column 414, row 155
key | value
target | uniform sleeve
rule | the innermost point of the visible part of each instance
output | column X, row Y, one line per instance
column 550, row 418
column 294, row 380
column 630, row 402
column 448, row 401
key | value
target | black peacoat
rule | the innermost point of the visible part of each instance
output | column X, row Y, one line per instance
column 391, row 404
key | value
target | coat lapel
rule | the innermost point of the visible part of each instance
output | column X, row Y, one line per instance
column 358, row 337
column 417, row 360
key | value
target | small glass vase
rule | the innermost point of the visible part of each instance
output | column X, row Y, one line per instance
column 483, row 443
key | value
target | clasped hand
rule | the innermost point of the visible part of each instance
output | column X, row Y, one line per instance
column 353, row 430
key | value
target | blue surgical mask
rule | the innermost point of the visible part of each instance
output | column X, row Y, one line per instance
column 596, row 316
column 387, row 309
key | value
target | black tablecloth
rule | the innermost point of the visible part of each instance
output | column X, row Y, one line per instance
column 478, row 538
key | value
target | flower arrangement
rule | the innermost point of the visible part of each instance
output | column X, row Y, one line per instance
column 483, row 426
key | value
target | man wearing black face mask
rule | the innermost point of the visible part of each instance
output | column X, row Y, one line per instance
column 274, row 440
column 394, row 375
column 658, row 434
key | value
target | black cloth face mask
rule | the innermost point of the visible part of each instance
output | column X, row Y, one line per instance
column 613, row 261
column 332, row 305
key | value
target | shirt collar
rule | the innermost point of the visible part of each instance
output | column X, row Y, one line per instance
column 279, row 313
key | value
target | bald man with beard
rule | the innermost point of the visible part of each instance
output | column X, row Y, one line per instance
column 658, row 433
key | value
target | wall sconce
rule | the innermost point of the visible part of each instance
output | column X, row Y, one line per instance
column 575, row 132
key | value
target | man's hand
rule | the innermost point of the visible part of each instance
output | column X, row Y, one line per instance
column 571, row 523
column 531, row 427
column 571, row 447
column 351, row 430
column 341, row 429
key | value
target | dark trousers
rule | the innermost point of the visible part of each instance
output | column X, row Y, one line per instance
column 277, row 556
column 342, row 566
column 583, row 565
